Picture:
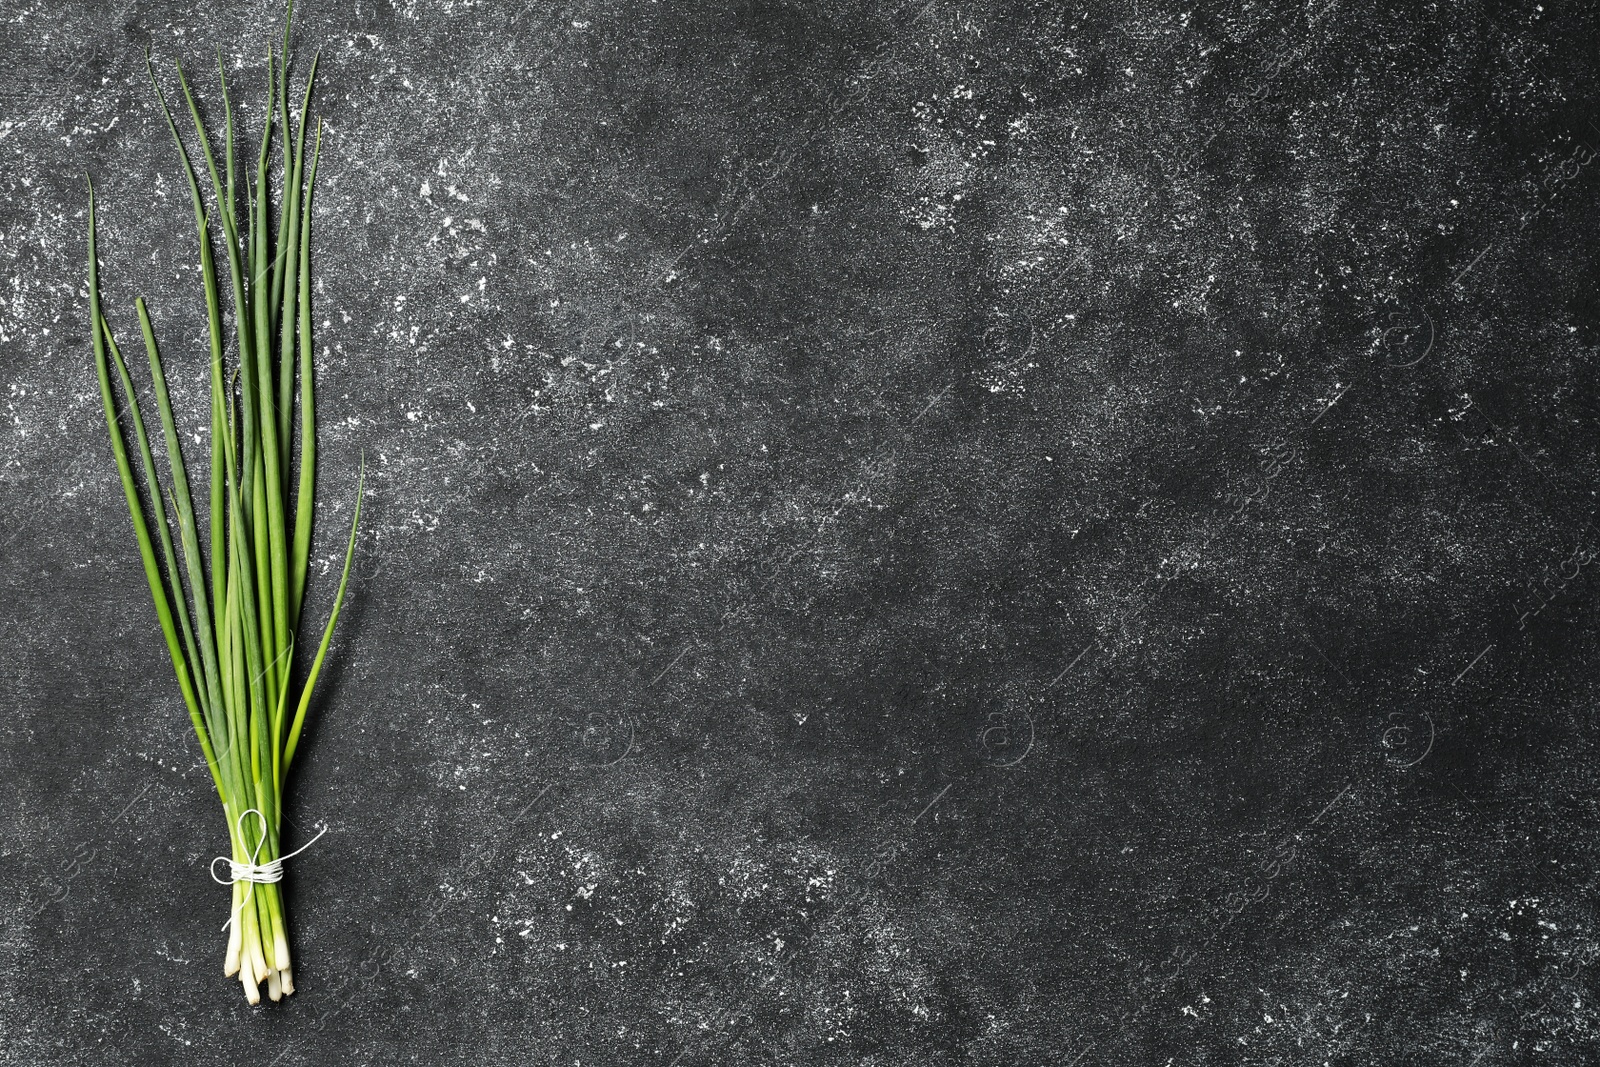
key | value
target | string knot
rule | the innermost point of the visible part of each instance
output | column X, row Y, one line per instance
column 251, row 871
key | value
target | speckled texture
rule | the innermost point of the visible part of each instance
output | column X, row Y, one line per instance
column 952, row 534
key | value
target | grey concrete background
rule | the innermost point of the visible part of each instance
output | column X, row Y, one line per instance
column 990, row 533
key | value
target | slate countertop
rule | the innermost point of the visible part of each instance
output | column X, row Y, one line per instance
column 1001, row 533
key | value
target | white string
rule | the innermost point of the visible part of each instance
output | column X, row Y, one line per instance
column 252, row 872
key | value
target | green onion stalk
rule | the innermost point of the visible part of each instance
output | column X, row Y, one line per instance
column 230, row 605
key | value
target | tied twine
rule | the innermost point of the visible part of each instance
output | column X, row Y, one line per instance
column 252, row 872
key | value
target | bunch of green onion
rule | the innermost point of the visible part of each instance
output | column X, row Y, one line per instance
column 230, row 615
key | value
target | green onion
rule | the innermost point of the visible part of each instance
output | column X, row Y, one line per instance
column 229, row 606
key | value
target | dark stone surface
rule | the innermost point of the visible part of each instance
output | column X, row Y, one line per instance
column 986, row 534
